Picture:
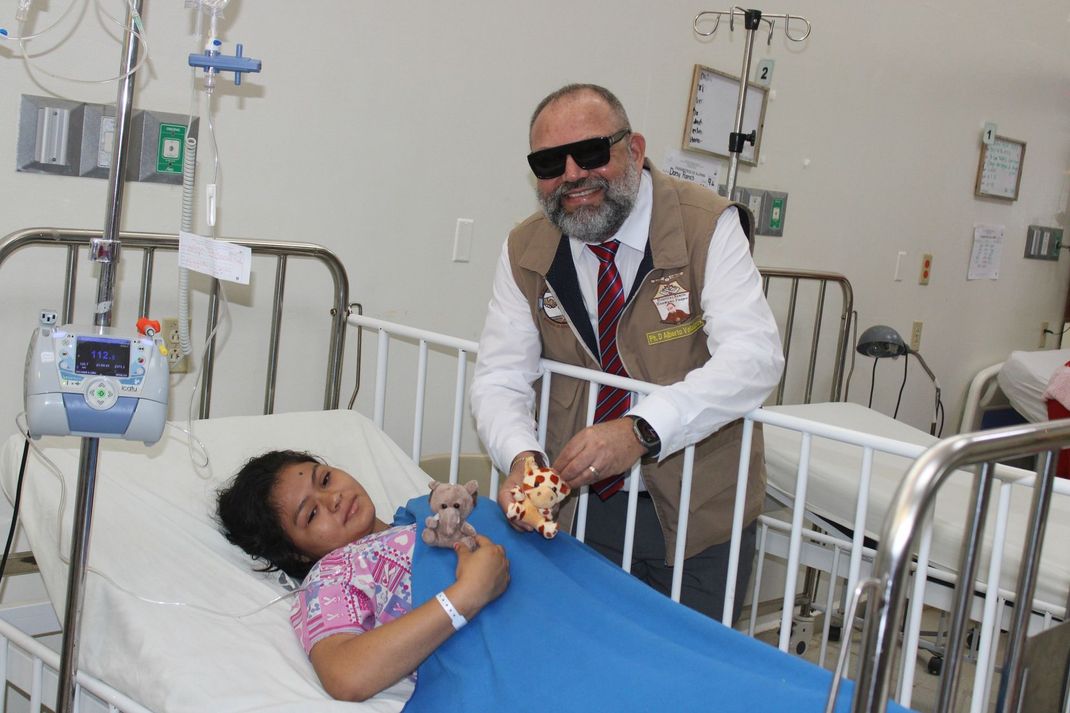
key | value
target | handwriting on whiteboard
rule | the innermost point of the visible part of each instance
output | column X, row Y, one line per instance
column 712, row 113
column 1000, row 169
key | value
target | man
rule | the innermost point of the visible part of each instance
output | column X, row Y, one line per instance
column 615, row 231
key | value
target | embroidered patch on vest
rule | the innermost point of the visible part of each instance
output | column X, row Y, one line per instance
column 668, row 335
column 673, row 303
column 549, row 306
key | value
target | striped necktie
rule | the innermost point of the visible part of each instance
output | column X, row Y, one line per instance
column 613, row 403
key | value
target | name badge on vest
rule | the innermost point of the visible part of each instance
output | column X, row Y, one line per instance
column 550, row 307
column 673, row 303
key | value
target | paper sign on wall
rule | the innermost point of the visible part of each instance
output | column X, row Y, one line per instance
column 690, row 167
column 986, row 252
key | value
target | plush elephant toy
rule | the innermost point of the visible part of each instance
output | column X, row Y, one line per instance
column 450, row 507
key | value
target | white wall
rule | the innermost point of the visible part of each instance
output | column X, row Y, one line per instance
column 374, row 126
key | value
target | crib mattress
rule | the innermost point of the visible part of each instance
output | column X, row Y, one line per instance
column 832, row 492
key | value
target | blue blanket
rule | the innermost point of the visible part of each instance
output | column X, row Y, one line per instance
column 574, row 632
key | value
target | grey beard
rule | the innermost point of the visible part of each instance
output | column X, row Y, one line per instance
column 589, row 224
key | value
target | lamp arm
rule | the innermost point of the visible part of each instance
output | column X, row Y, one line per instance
column 924, row 366
column 936, row 385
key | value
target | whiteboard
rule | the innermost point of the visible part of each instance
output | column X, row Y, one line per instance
column 711, row 114
column 999, row 170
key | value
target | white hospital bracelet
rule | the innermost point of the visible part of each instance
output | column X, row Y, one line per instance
column 455, row 616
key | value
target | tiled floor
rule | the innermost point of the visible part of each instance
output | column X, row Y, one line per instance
column 926, row 685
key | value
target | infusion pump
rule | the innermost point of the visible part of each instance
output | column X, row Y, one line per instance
column 97, row 382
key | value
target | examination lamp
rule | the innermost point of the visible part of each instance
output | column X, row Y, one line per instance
column 880, row 341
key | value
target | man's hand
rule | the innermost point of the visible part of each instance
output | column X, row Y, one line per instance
column 598, row 452
column 514, row 478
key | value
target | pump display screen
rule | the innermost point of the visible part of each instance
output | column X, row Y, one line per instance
column 100, row 356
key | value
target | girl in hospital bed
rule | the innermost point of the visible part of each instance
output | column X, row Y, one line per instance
column 354, row 613
column 573, row 632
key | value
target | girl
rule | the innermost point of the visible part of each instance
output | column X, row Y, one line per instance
column 354, row 613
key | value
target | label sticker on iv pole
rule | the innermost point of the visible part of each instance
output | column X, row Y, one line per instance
column 216, row 258
column 764, row 73
column 170, row 148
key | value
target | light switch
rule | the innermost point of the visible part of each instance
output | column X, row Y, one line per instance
column 462, row 240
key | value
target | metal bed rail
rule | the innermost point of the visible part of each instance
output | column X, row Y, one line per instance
column 819, row 281
column 908, row 519
column 74, row 241
column 389, row 332
column 462, row 350
column 32, row 669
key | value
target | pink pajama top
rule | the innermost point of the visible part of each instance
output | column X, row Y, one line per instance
column 357, row 587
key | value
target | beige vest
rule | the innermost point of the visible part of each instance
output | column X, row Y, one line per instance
column 659, row 338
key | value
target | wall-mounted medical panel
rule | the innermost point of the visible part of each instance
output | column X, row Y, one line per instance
column 774, row 210
column 49, row 135
column 753, row 198
column 158, row 147
column 97, row 141
column 1043, row 243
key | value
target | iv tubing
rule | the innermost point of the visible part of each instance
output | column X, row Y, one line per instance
column 189, row 166
column 137, row 30
column 19, row 22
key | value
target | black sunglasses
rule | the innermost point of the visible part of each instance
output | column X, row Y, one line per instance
column 588, row 154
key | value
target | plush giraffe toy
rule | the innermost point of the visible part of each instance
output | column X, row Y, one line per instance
column 535, row 497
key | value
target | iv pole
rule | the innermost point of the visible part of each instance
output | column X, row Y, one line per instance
column 103, row 250
column 752, row 19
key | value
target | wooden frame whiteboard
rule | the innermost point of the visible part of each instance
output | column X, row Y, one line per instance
column 711, row 114
column 999, row 169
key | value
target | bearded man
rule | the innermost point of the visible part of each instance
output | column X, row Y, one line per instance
column 634, row 273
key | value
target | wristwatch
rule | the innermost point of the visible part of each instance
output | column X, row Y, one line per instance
column 646, row 435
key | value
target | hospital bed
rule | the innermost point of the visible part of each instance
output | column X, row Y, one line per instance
column 847, row 466
column 1036, row 669
column 163, row 639
column 1017, row 383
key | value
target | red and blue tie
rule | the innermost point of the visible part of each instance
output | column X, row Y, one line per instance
column 613, row 403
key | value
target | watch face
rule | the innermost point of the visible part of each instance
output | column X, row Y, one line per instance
column 645, row 433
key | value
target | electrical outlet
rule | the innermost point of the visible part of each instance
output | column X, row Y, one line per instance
column 926, row 269
column 1044, row 328
column 915, row 337
column 176, row 360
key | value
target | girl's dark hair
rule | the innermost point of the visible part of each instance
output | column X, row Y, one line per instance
column 251, row 520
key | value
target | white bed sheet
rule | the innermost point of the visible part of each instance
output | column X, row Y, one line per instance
column 832, row 492
column 153, row 533
column 1025, row 375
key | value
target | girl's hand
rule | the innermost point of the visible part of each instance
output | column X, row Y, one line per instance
column 482, row 576
column 355, row 667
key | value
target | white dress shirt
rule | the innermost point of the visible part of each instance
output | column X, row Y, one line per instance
column 741, row 335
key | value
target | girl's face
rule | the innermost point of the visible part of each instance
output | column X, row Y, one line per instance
column 322, row 508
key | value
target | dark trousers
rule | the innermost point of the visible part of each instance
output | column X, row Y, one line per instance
column 704, row 574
